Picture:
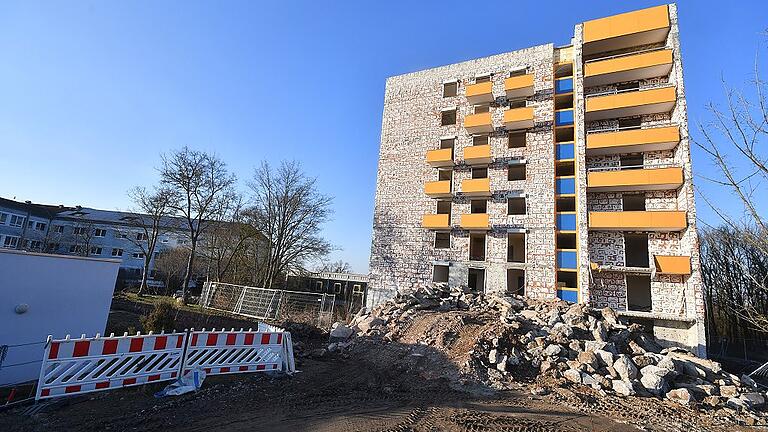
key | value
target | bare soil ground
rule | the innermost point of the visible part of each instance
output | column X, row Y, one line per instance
column 373, row 386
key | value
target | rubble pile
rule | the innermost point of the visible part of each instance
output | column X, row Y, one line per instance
column 567, row 343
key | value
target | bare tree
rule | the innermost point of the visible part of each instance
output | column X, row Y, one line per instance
column 203, row 189
column 289, row 211
column 151, row 219
column 171, row 264
column 339, row 266
column 736, row 141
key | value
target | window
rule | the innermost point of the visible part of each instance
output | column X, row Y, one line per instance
column 633, row 202
column 639, row 293
column 628, row 86
column 516, row 206
column 141, row 236
column 95, row 250
column 16, row 221
column 631, row 161
column 478, row 206
column 58, row 229
column 77, row 249
column 138, row 255
column 35, row 244
column 100, row 232
column 444, row 174
column 482, row 79
column 443, row 207
column 630, row 123
column 40, row 226
column 516, row 140
column 450, row 89
column 79, row 231
column 357, row 289
column 477, row 247
column 10, row 241
column 442, row 240
column 319, row 286
column 3, row 218
column 516, row 247
column 448, row 117
column 447, row 143
column 518, row 72
column 481, row 108
column 478, row 140
column 120, row 235
column 516, row 172
column 52, row 247
column 337, row 288
column 516, row 282
column 440, row 273
column 116, row 252
column 636, row 250
column 478, row 173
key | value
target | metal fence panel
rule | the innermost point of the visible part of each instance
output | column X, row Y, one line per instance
column 74, row 366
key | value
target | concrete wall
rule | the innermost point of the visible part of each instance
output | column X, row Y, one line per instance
column 63, row 295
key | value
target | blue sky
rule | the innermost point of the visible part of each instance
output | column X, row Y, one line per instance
column 92, row 92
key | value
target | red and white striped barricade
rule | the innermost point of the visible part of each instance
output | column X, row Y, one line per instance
column 238, row 351
column 74, row 366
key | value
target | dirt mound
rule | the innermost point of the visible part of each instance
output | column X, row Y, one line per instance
column 568, row 353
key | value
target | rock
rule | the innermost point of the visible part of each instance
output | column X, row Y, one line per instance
column 553, row 350
column 752, row 400
column 600, row 333
column 749, row 382
column 729, row 391
column 318, row 353
column 545, row 366
column 563, row 329
column 671, row 364
column 493, row 356
column 341, row 332
column 587, row 379
column 529, row 314
column 655, row 384
column 502, row 364
column 655, row 370
column 609, row 316
column 573, row 376
column 625, row 367
column 622, row 388
column 605, row 358
column 643, row 360
column 682, row 396
column 587, row 358
column 712, row 401
column 539, row 391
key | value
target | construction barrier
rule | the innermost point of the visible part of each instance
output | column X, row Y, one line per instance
column 75, row 366
column 223, row 352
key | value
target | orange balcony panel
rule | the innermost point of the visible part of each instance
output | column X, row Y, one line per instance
column 480, row 92
column 632, row 103
column 679, row 265
column 476, row 187
column 641, row 27
column 519, row 86
column 479, row 154
column 629, row 141
column 628, row 68
column 436, row 221
column 440, row 157
column 478, row 123
column 438, row 188
column 638, row 221
column 635, row 180
column 518, row 118
column 475, row 221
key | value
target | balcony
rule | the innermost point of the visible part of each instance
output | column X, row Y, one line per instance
column 480, row 93
column 678, row 265
column 518, row 118
column 630, row 103
column 475, row 221
column 436, row 221
column 635, row 179
column 478, row 123
column 476, row 187
column 440, row 157
column 477, row 155
column 641, row 27
column 638, row 221
column 628, row 68
column 519, row 86
column 631, row 141
column 438, row 189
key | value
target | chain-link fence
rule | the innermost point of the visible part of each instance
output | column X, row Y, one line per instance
column 269, row 304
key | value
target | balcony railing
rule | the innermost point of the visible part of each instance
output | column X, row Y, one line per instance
column 478, row 123
column 518, row 118
column 475, row 221
column 667, row 221
column 630, row 102
column 438, row 189
column 631, row 29
column 628, row 178
column 436, row 221
column 477, row 155
column 480, row 92
column 519, row 86
column 628, row 67
column 476, row 187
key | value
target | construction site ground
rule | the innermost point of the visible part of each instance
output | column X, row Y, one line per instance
column 372, row 386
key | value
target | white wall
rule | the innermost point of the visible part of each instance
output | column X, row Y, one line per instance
column 64, row 294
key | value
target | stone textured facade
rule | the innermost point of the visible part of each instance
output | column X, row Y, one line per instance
column 403, row 253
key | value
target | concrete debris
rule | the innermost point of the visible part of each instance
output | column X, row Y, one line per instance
column 572, row 344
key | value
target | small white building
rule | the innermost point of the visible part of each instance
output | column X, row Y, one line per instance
column 43, row 295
